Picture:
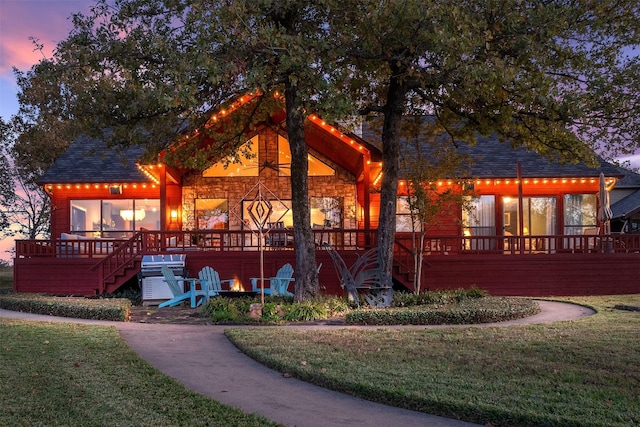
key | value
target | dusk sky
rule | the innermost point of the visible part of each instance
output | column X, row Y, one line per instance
column 48, row 21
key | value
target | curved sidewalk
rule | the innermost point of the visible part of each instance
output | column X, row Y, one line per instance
column 201, row 358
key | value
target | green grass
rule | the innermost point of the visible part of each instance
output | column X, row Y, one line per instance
column 71, row 374
column 6, row 280
column 580, row 373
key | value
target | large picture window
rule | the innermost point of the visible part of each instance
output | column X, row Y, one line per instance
column 113, row 218
column 539, row 219
column 245, row 165
column 212, row 214
column 326, row 212
column 316, row 166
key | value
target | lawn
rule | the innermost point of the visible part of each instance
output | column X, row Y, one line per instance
column 581, row 373
column 71, row 374
column 6, row 279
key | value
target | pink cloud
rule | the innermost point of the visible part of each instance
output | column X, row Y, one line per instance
column 46, row 20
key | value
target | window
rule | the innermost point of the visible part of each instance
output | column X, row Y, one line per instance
column 403, row 216
column 326, row 212
column 580, row 213
column 539, row 219
column 114, row 218
column 480, row 218
column 281, row 212
column 212, row 214
column 245, row 165
column 316, row 166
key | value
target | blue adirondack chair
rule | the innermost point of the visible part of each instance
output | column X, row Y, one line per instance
column 211, row 283
column 179, row 295
column 277, row 285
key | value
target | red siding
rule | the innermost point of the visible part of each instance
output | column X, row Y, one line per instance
column 522, row 275
column 537, row 275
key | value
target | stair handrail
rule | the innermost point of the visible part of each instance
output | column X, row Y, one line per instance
column 123, row 255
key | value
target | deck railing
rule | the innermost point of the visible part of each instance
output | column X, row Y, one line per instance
column 527, row 245
column 341, row 239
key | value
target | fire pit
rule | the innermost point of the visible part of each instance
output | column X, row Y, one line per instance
column 237, row 294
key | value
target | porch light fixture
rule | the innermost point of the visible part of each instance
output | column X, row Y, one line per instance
column 174, row 215
column 130, row 214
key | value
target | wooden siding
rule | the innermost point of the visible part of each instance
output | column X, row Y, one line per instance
column 533, row 275
column 537, row 275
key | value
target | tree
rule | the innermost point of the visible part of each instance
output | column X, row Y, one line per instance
column 550, row 76
column 24, row 206
column 426, row 162
column 154, row 71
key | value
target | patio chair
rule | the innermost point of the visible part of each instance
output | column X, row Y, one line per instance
column 211, row 283
column 277, row 285
column 179, row 295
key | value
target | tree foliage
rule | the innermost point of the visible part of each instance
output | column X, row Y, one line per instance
column 24, row 206
column 156, row 71
column 436, row 176
column 551, row 76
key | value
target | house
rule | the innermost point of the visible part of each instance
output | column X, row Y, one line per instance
column 529, row 234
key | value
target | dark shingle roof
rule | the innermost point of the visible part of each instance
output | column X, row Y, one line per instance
column 493, row 159
column 630, row 179
column 89, row 160
column 627, row 206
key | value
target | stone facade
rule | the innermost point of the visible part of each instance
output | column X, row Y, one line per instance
column 342, row 185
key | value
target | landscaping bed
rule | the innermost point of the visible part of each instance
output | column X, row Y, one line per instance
column 431, row 308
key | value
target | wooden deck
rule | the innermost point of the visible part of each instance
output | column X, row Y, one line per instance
column 527, row 266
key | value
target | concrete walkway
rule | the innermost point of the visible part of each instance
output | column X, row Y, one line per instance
column 201, row 358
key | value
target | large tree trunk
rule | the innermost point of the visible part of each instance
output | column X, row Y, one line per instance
column 306, row 284
column 391, row 131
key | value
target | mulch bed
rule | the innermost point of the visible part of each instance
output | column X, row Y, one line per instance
column 184, row 315
column 175, row 315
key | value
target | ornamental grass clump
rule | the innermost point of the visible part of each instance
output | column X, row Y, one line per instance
column 305, row 311
column 275, row 310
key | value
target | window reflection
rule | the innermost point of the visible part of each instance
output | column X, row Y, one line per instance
column 114, row 218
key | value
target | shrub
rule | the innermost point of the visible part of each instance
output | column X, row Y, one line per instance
column 132, row 293
column 406, row 299
column 76, row 307
column 275, row 309
column 467, row 311
column 223, row 310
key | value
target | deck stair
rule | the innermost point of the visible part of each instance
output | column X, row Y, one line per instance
column 402, row 269
column 121, row 265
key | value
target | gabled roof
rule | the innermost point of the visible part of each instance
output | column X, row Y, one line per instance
column 89, row 160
